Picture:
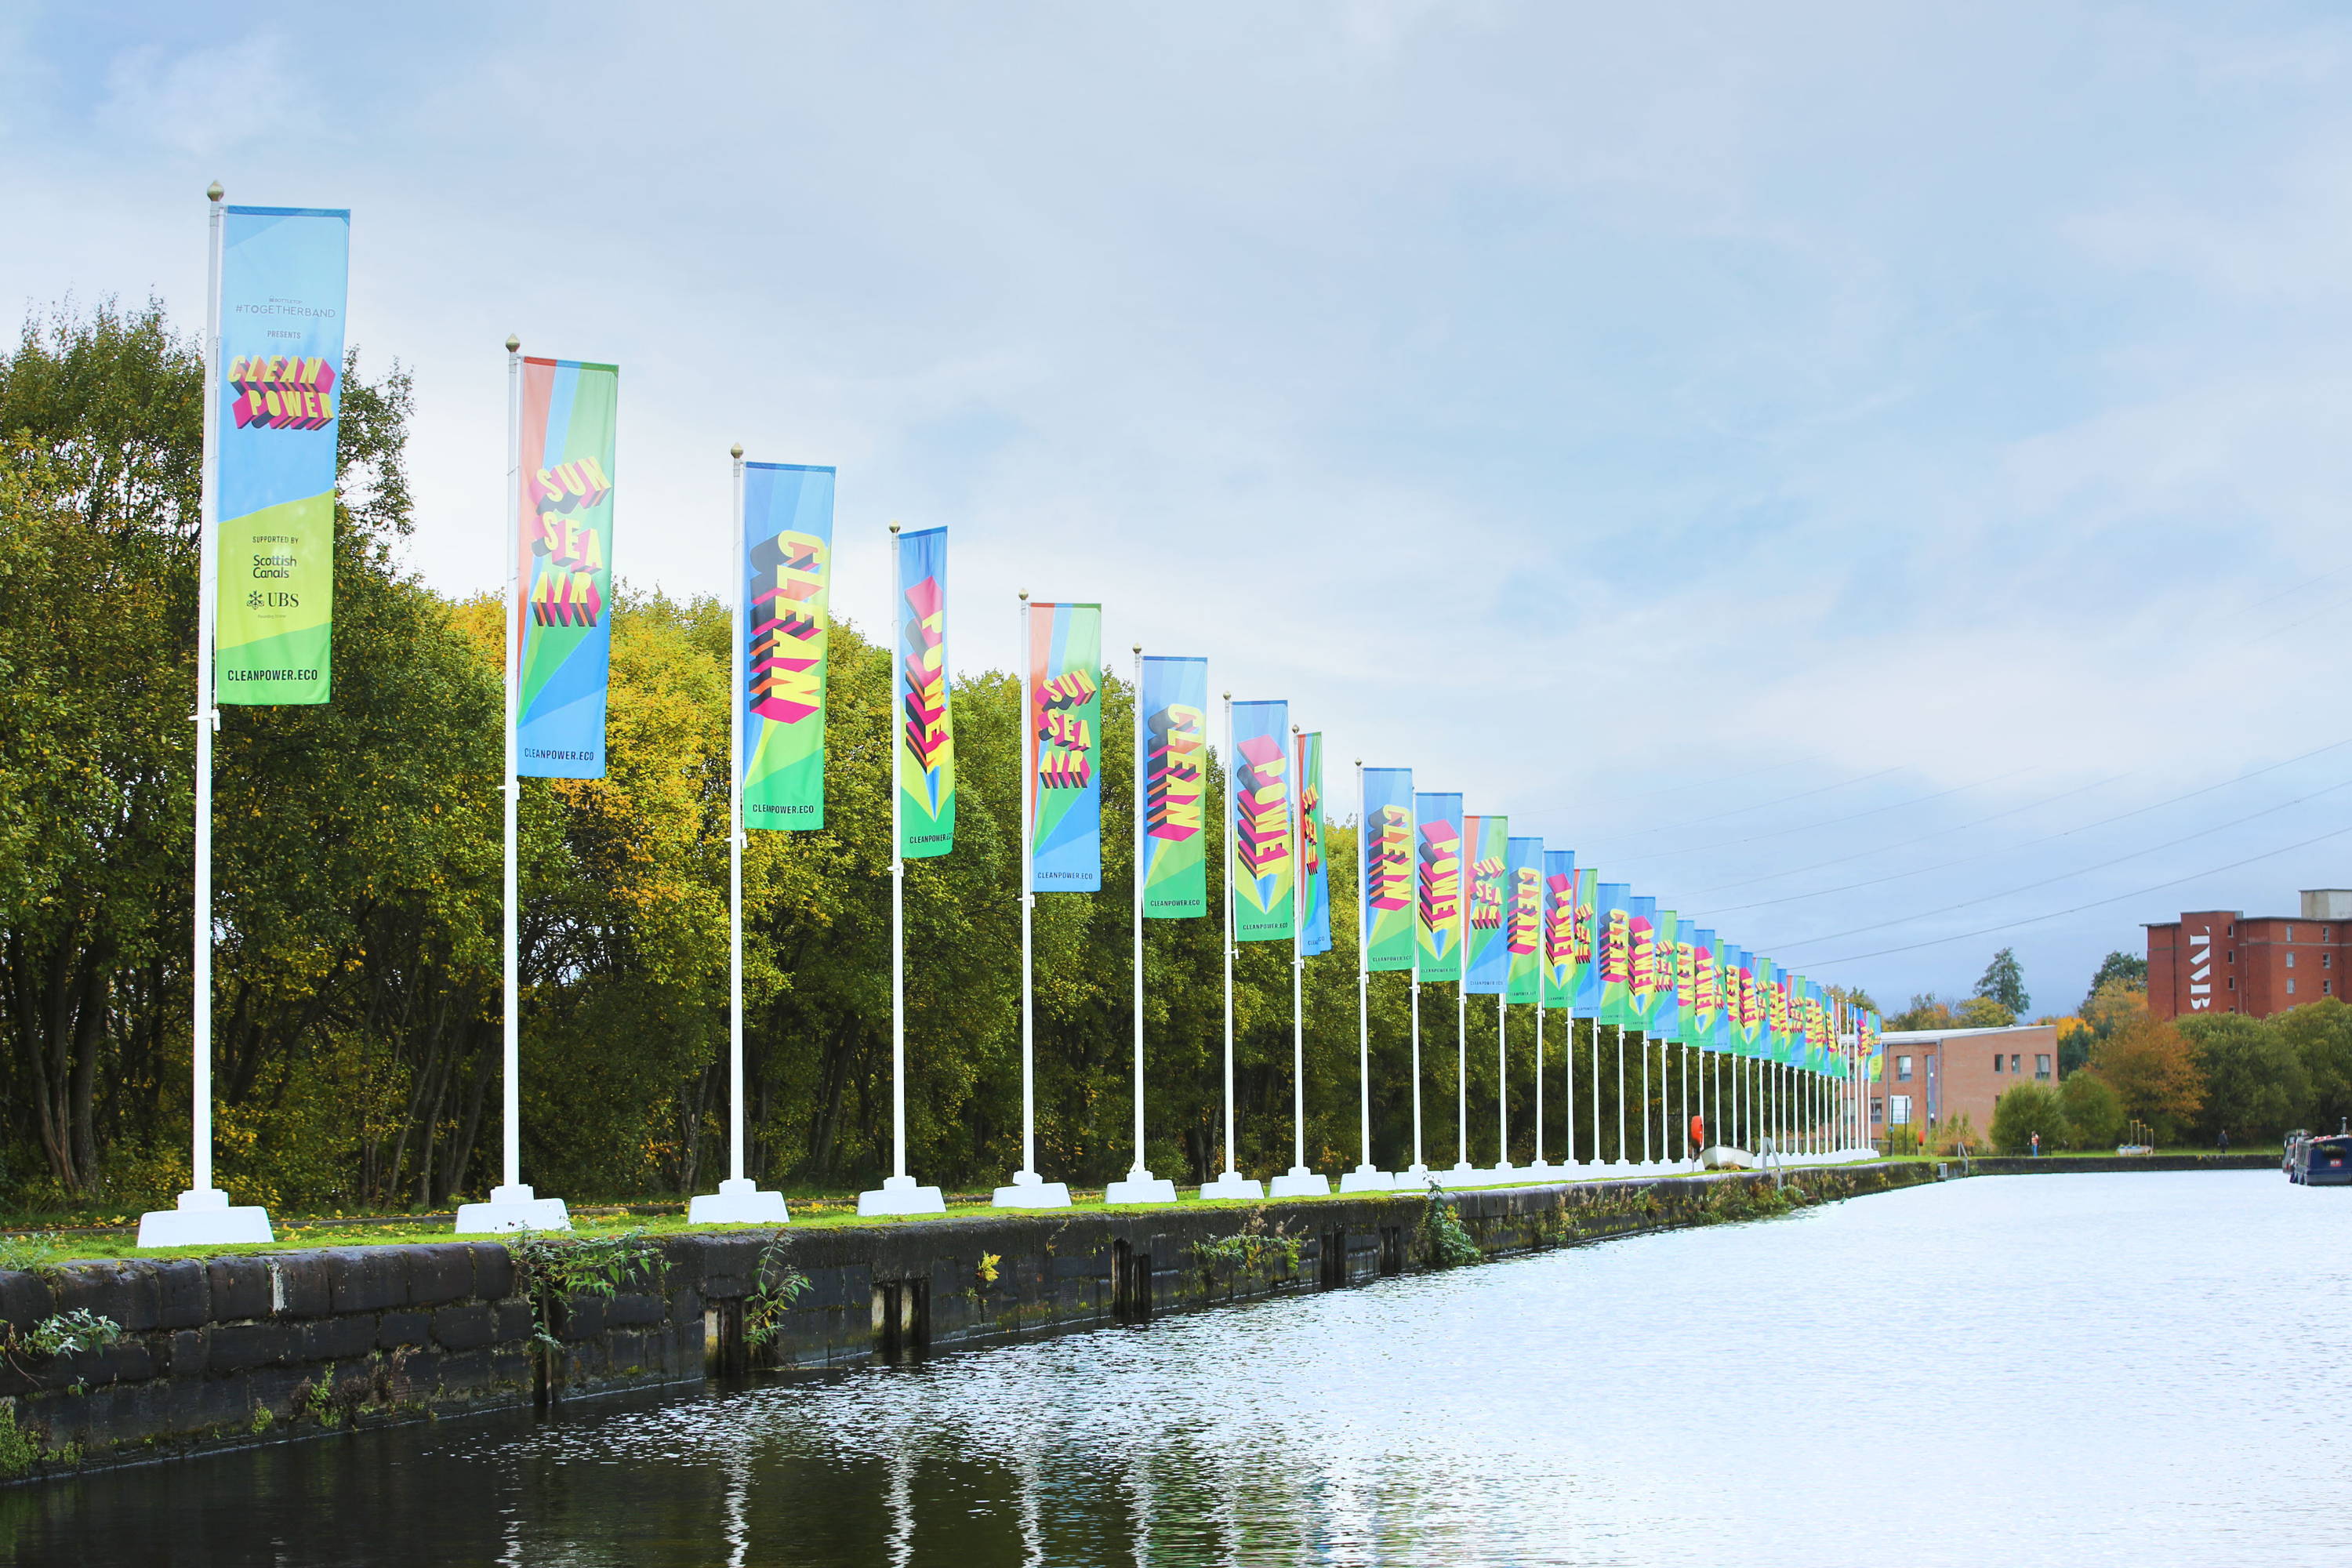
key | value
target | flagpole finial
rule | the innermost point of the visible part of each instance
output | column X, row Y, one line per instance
column 1137, row 649
column 1360, row 762
column 214, row 192
column 514, row 343
column 894, row 528
column 1229, row 697
column 1024, row 595
column 736, row 451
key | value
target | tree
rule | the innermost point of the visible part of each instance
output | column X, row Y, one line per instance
column 2094, row 1115
column 2321, row 1035
column 2004, row 982
column 2149, row 1065
column 1924, row 1012
column 2024, row 1109
column 1983, row 1013
column 2255, row 1083
column 2124, row 966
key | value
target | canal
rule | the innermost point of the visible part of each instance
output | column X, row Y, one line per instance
column 2077, row 1370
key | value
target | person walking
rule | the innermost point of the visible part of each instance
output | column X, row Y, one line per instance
column 2225, row 1139
column 2037, row 1145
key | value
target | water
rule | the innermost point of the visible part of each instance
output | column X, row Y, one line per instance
column 2083, row 1369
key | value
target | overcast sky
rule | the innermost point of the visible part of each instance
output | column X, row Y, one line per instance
column 1825, row 464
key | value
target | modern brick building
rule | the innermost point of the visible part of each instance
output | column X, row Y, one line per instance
column 2219, row 960
column 1928, row 1077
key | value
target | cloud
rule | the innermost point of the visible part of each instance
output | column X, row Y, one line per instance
column 210, row 102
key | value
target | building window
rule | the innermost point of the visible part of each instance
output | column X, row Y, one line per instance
column 2290, row 987
column 2228, row 930
column 1996, row 1061
column 2327, row 961
column 2233, row 983
column 1902, row 1070
column 2013, row 1064
column 2230, row 956
column 1878, row 1110
column 2326, row 988
column 2042, row 1069
column 1902, row 1108
column 2290, row 961
column 2289, row 933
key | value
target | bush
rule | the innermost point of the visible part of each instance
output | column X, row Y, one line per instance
column 2321, row 1034
column 2024, row 1110
column 2153, row 1069
column 2255, row 1085
column 2094, row 1114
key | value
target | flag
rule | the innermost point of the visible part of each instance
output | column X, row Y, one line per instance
column 1175, row 699
column 1523, row 919
column 1666, row 1010
column 1563, row 968
column 1438, row 891
column 565, row 573
column 1388, row 890
column 1486, row 841
column 786, row 581
column 283, row 276
column 1064, row 748
column 1315, row 885
column 1613, row 961
column 1707, row 994
column 927, row 769
column 1263, row 891
column 1644, row 974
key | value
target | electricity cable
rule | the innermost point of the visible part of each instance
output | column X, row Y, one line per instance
column 2067, row 876
column 1800, row 795
column 1833, row 822
column 2096, row 903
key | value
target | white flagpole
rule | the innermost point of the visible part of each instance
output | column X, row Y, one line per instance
column 1646, row 1117
column 1503, row 1056
column 1462, row 1007
column 1029, row 1190
column 1621, row 1096
column 512, row 1206
column 1366, row 1177
column 1539, row 1059
column 737, row 1200
column 1298, row 1180
column 1230, row 1182
column 899, row 1194
column 203, row 1216
column 1141, row 1186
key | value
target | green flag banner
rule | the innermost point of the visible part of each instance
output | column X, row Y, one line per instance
column 1387, row 828
column 925, row 727
column 1175, row 767
column 283, row 274
column 786, row 580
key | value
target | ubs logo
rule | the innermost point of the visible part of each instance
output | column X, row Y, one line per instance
column 272, row 599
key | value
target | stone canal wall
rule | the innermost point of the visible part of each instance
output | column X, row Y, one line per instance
column 266, row 1347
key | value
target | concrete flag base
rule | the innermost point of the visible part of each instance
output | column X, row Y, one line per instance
column 512, row 1208
column 738, row 1202
column 1298, row 1181
column 899, row 1195
column 1031, row 1191
column 204, row 1218
column 1234, row 1184
column 1141, row 1187
column 1365, row 1179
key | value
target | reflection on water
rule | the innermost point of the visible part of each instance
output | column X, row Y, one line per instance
column 2080, row 1369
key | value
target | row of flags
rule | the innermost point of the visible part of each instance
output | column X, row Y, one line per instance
column 1448, row 896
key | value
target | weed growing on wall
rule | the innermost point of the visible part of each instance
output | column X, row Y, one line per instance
column 775, row 1286
column 1449, row 1244
column 552, row 1267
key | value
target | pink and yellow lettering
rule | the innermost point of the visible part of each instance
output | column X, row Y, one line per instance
column 1643, row 977
column 1064, row 744
column 787, row 648
column 1441, row 874
column 927, row 678
column 1527, row 911
column 1486, row 894
column 1559, row 924
column 1173, row 793
column 1389, row 858
column 1262, row 800
column 1617, row 949
column 274, row 393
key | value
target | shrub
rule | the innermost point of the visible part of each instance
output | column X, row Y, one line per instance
column 2024, row 1110
column 2094, row 1116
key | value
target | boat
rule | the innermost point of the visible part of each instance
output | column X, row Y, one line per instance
column 2322, row 1161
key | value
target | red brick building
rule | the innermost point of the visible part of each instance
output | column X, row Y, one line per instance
column 1928, row 1079
column 2219, row 960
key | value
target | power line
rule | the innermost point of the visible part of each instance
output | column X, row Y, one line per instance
column 1906, row 843
column 2096, row 903
column 2070, row 876
column 1833, row 822
column 1800, row 795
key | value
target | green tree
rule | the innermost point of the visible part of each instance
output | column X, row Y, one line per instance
column 1983, row 1013
column 2004, row 982
column 2255, row 1083
column 2153, row 1070
column 2094, row 1115
column 1924, row 1012
column 2024, row 1109
column 2321, row 1035
column 2129, row 968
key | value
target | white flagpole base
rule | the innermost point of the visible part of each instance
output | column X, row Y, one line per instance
column 1417, row 1179
column 1298, row 1181
column 1234, row 1184
column 899, row 1195
column 204, row 1218
column 738, row 1202
column 1365, row 1179
column 1463, row 1175
column 1504, row 1175
column 512, row 1208
column 1541, row 1170
column 1031, row 1191
column 1141, row 1187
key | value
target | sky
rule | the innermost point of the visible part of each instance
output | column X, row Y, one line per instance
column 1871, row 476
